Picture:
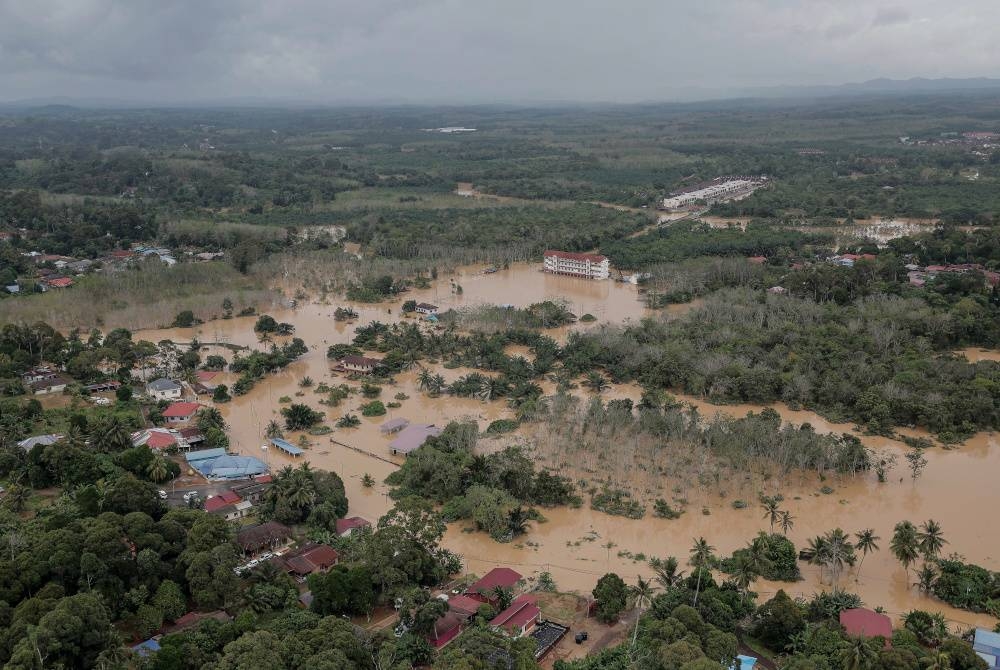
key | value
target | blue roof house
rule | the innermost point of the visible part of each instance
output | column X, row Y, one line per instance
column 987, row 647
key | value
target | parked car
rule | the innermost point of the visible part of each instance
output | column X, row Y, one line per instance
column 581, row 637
column 162, row 494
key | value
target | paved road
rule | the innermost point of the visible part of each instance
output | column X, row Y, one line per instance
column 175, row 494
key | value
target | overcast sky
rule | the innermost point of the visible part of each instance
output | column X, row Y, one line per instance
column 479, row 50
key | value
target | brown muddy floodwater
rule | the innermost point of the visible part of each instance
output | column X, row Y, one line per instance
column 958, row 487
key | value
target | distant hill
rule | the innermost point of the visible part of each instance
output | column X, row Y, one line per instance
column 880, row 86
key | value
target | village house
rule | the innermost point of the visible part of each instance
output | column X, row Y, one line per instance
column 308, row 559
column 591, row 266
column 359, row 364
column 518, row 619
column 483, row 589
column 986, row 644
column 181, row 412
column 49, row 385
column 164, row 389
column 426, row 308
column 254, row 490
column 58, row 282
column 44, row 440
column 345, row 527
column 158, row 439
column 229, row 506
column 446, row 629
column 38, row 373
column 464, row 606
column 268, row 536
column 862, row 622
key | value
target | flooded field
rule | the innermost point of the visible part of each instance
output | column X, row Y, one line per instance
column 579, row 545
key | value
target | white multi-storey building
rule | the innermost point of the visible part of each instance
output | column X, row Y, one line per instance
column 717, row 190
column 591, row 266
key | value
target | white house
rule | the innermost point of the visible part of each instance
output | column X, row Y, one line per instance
column 164, row 389
column 426, row 308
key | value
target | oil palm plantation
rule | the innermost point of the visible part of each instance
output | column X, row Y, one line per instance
column 642, row 597
column 930, row 539
column 905, row 544
column 867, row 543
column 702, row 557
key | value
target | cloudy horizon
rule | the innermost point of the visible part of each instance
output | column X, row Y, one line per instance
column 428, row 51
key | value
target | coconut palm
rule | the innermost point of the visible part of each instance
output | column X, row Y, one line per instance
column 858, row 655
column 867, row 543
column 158, row 470
column 905, row 544
column 926, row 578
column 756, row 554
column 436, row 385
column 930, row 539
column 787, row 521
column 503, row 597
column 667, row 574
column 817, row 546
column 596, row 382
column 702, row 557
column 744, row 574
column 16, row 498
column 273, row 430
column 771, row 511
column 642, row 597
column 839, row 552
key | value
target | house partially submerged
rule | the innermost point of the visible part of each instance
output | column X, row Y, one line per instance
column 412, row 437
column 359, row 364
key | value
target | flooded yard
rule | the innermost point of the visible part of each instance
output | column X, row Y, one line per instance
column 579, row 545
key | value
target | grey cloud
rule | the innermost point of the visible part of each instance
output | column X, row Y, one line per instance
column 476, row 50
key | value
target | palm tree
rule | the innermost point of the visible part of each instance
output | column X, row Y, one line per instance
column 424, row 379
column 503, row 597
column 756, row 554
column 273, row 430
column 926, row 577
column 771, row 511
column 858, row 655
column 436, row 385
column 787, row 522
column 701, row 558
column 744, row 574
column 867, row 543
column 839, row 552
column 595, row 381
column 937, row 661
column 642, row 597
column 817, row 545
column 517, row 521
column 667, row 574
column 17, row 497
column 158, row 470
column 905, row 545
column 930, row 539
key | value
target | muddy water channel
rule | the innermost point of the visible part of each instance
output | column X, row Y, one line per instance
column 958, row 487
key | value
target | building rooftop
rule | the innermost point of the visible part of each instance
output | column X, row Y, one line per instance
column 862, row 622
column 163, row 384
column 351, row 523
column 253, row 538
column 181, row 410
column 45, row 440
column 522, row 610
column 412, row 437
column 573, row 256
column 502, row 577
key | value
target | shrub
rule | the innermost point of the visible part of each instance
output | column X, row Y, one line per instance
column 374, row 408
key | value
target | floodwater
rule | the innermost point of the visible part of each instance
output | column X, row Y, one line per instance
column 975, row 354
column 573, row 544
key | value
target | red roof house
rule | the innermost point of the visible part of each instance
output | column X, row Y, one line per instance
column 862, row 622
column 59, row 282
column 519, row 618
column 464, row 606
column 181, row 411
column 160, row 440
column 445, row 630
column 349, row 525
column 311, row 558
column 502, row 577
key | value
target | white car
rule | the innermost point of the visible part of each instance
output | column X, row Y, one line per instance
column 162, row 494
